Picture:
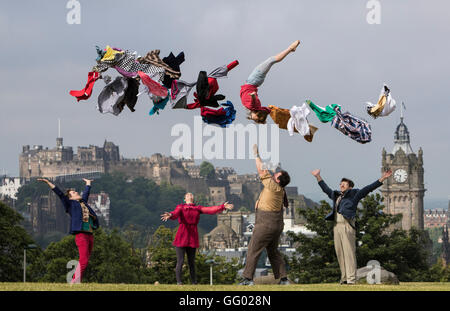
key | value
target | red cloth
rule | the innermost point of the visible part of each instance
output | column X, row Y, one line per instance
column 87, row 91
column 188, row 216
column 153, row 87
column 205, row 111
column 85, row 243
column 232, row 65
column 248, row 102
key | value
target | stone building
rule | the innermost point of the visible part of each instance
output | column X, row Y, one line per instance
column 100, row 203
column 47, row 214
column 435, row 218
column 403, row 192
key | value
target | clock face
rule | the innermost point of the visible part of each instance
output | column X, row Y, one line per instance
column 400, row 175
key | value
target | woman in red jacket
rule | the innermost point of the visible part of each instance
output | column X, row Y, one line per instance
column 249, row 91
column 186, row 239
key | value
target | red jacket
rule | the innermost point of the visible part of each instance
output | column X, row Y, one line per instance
column 248, row 102
column 188, row 216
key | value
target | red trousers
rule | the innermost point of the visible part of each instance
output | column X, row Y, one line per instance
column 85, row 243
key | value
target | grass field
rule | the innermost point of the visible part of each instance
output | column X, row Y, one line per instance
column 162, row 287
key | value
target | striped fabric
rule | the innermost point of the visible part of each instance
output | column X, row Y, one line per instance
column 354, row 127
column 152, row 58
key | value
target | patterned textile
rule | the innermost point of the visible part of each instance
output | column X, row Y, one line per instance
column 127, row 62
column 153, row 58
column 351, row 126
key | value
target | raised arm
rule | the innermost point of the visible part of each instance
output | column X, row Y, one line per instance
column 211, row 210
column 367, row 189
column 87, row 190
column 172, row 215
column 259, row 164
column 64, row 199
column 322, row 184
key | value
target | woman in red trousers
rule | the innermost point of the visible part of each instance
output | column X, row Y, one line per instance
column 186, row 239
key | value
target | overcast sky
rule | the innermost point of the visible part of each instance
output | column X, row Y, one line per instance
column 341, row 60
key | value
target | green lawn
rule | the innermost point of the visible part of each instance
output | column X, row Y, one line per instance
column 162, row 287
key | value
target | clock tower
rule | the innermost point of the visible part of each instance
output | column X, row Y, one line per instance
column 403, row 192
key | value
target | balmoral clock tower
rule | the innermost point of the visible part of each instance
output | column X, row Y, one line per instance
column 403, row 192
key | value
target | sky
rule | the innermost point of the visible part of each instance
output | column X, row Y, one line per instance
column 342, row 59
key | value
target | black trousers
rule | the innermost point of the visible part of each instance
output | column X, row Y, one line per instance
column 180, row 251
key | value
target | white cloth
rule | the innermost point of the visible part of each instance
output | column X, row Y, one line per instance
column 298, row 120
column 389, row 106
column 110, row 98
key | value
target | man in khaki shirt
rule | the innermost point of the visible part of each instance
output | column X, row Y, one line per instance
column 268, row 224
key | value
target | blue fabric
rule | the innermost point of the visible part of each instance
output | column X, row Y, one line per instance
column 73, row 208
column 351, row 126
column 347, row 206
column 159, row 106
column 223, row 120
column 258, row 74
column 100, row 53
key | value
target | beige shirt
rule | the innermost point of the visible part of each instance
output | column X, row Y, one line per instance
column 271, row 197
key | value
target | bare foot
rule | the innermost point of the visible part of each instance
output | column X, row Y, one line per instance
column 294, row 45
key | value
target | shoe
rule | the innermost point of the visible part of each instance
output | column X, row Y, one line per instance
column 343, row 282
column 348, row 283
column 285, row 282
column 179, row 283
column 247, row 282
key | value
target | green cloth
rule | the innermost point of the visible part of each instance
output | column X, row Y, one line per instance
column 324, row 114
column 88, row 226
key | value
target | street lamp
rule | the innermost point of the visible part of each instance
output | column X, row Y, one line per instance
column 29, row 246
column 211, row 262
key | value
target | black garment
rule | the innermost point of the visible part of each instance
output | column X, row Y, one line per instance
column 190, row 251
column 131, row 92
column 203, row 91
column 174, row 63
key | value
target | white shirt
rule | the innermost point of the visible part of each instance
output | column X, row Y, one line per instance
column 298, row 120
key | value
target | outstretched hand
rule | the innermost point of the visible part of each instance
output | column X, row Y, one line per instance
column 228, row 206
column 316, row 173
column 87, row 181
column 385, row 175
column 47, row 182
column 166, row 216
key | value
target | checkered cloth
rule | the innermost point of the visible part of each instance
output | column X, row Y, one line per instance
column 354, row 127
column 128, row 63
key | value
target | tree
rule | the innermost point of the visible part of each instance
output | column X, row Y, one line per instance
column 111, row 261
column 13, row 240
column 207, row 170
column 399, row 251
column 163, row 259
